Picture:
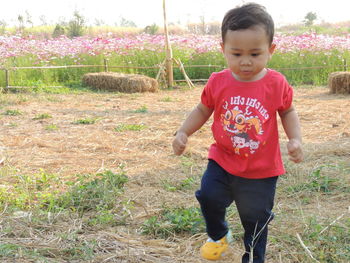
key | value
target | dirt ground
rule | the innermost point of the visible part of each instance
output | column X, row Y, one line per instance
column 72, row 149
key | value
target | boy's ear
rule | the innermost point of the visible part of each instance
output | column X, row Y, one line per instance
column 272, row 49
column 222, row 46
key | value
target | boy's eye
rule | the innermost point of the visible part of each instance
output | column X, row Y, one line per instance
column 255, row 54
column 236, row 54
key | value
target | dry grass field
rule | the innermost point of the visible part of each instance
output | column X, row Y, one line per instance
column 55, row 144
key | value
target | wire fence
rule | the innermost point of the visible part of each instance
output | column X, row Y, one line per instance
column 106, row 68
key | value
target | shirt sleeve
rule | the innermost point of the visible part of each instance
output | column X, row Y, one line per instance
column 207, row 96
column 287, row 97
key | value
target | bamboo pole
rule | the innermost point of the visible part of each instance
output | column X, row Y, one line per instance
column 345, row 64
column 181, row 67
column 7, row 77
column 169, row 52
column 105, row 64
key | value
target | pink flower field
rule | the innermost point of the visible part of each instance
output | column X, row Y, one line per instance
column 49, row 50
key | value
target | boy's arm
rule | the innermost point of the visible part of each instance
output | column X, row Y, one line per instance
column 199, row 115
column 291, row 125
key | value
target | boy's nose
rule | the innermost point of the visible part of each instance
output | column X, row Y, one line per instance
column 245, row 62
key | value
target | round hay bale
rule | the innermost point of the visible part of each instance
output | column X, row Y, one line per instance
column 127, row 83
column 339, row 82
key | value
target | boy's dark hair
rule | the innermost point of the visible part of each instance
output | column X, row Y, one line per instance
column 246, row 16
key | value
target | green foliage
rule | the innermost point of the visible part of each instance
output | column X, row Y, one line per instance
column 58, row 31
column 310, row 18
column 318, row 182
column 88, row 193
column 129, row 127
column 330, row 243
column 12, row 112
column 8, row 250
column 86, row 121
column 76, row 26
column 167, row 99
column 173, row 221
column 81, row 251
column 152, row 29
column 126, row 23
column 3, row 25
column 41, row 79
column 186, row 161
column 312, row 76
column 42, row 116
column 51, row 127
column 29, row 191
column 103, row 217
column 186, row 184
column 142, row 109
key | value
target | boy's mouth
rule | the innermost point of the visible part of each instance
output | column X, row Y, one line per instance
column 246, row 72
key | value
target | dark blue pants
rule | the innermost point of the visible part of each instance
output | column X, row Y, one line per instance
column 254, row 199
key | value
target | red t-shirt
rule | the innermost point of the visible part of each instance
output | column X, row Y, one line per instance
column 245, row 122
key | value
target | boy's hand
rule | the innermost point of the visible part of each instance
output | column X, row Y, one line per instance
column 294, row 151
column 179, row 143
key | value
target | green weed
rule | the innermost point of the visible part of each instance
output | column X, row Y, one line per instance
column 7, row 99
column 42, row 116
column 8, row 250
column 69, row 80
column 187, row 162
column 167, row 99
column 12, row 112
column 86, row 121
column 89, row 193
column 13, row 124
column 103, row 217
column 129, row 127
column 142, row 109
column 29, row 191
column 186, row 184
column 82, row 251
column 51, row 127
column 317, row 182
column 331, row 244
column 174, row 221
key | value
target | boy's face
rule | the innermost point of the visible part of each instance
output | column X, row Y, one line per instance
column 247, row 52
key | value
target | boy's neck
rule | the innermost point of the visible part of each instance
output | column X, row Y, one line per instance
column 257, row 77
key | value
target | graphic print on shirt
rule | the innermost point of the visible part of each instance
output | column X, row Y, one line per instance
column 242, row 120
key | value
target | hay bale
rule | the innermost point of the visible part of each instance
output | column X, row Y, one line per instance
column 339, row 82
column 128, row 83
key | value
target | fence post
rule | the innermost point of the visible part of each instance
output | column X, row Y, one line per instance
column 7, row 78
column 168, row 52
column 106, row 65
column 345, row 64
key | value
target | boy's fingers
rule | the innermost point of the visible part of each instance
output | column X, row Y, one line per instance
column 182, row 138
column 179, row 150
column 294, row 151
column 179, row 145
column 296, row 159
column 292, row 146
column 296, row 156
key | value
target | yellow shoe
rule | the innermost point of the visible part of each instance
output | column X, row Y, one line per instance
column 213, row 250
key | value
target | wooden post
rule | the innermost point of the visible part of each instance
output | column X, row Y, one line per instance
column 106, row 65
column 7, row 77
column 345, row 64
column 169, row 52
